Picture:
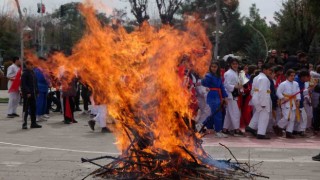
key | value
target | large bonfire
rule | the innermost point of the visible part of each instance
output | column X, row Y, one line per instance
column 135, row 74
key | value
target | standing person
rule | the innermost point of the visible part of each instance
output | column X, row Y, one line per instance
column 300, row 126
column 233, row 87
column 77, row 97
column 43, row 87
column 261, row 101
column 289, row 94
column 85, row 94
column 29, row 90
column 14, row 96
column 215, row 98
column 68, row 94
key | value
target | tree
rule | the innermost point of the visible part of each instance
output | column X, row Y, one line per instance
column 297, row 25
column 167, row 9
column 259, row 33
column 139, row 10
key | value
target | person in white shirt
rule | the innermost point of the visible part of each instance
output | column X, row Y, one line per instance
column 233, row 87
column 14, row 96
column 289, row 94
column 261, row 101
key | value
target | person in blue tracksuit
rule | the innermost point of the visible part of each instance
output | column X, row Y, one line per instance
column 215, row 98
column 42, row 96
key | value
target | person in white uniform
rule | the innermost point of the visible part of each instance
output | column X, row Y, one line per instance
column 14, row 96
column 289, row 94
column 232, row 84
column 261, row 101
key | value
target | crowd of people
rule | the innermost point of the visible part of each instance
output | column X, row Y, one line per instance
column 42, row 93
column 278, row 96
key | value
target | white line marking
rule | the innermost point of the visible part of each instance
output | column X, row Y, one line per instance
column 59, row 149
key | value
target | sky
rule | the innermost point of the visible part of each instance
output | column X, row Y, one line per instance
column 267, row 7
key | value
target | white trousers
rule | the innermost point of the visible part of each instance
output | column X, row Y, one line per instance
column 302, row 124
column 308, row 109
column 101, row 112
column 232, row 118
column 285, row 122
column 260, row 121
column 14, row 98
column 204, row 110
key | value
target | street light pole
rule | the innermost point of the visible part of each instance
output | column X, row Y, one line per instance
column 21, row 32
column 41, row 30
column 216, row 47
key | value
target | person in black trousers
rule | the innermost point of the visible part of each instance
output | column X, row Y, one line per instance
column 85, row 94
column 29, row 90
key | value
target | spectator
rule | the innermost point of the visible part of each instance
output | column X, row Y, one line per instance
column 29, row 90
column 43, row 87
column 13, row 75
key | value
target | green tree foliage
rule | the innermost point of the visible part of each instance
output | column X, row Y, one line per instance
column 254, row 24
column 9, row 34
column 297, row 25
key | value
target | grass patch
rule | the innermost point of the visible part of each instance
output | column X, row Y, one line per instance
column 4, row 100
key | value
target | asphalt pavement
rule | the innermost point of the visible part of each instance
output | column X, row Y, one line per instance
column 55, row 151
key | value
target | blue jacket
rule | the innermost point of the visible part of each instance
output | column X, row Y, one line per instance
column 212, row 81
column 41, row 80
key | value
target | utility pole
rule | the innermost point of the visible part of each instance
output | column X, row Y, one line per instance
column 216, row 47
column 41, row 30
column 21, row 33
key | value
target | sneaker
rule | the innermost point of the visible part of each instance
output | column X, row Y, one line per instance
column 35, row 126
column 46, row 116
column 198, row 127
column 92, row 123
column 238, row 133
column 220, row 135
column 250, row 130
column 10, row 116
column 105, row 130
column 15, row 115
column 316, row 158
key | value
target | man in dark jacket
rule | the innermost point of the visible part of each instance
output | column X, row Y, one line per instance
column 29, row 90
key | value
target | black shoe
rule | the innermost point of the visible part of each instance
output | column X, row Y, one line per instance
column 289, row 135
column 15, row 115
column 92, row 123
column 278, row 131
column 78, row 109
column 250, row 130
column 74, row 121
column 67, row 122
column 57, row 110
column 35, row 126
column 316, row 158
column 302, row 134
column 24, row 126
column 10, row 116
column 238, row 133
column 295, row 132
column 263, row 137
column 105, row 130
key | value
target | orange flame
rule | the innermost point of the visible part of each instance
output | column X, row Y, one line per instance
column 135, row 75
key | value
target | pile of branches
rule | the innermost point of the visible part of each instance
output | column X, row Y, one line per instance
column 163, row 165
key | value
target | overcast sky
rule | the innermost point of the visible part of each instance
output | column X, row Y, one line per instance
column 267, row 7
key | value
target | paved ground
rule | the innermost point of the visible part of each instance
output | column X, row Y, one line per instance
column 54, row 151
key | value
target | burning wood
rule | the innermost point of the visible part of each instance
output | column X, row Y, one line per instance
column 136, row 75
